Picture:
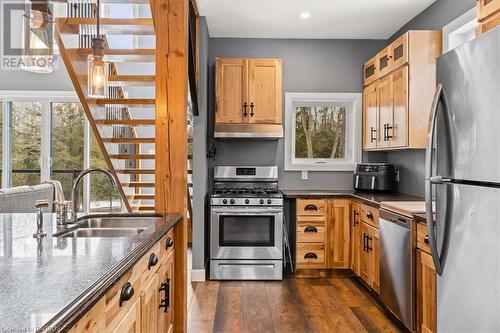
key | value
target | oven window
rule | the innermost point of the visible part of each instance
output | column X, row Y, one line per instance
column 246, row 230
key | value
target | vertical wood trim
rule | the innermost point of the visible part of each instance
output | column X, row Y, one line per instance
column 171, row 25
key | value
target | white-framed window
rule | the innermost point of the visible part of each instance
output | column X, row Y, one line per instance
column 460, row 30
column 322, row 131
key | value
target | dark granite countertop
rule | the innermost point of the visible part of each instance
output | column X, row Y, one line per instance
column 48, row 285
column 372, row 198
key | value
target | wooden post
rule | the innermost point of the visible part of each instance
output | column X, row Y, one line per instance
column 171, row 26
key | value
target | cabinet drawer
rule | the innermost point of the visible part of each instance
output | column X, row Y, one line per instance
column 310, row 255
column 369, row 215
column 311, row 207
column 310, row 231
column 137, row 276
column 166, row 245
column 422, row 239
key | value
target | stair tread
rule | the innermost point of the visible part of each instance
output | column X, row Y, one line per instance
column 120, row 55
column 129, row 140
column 138, row 184
column 122, row 101
column 143, row 196
column 130, row 122
column 133, row 156
column 136, row 171
column 132, row 80
column 109, row 26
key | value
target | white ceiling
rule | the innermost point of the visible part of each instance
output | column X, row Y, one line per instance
column 329, row 19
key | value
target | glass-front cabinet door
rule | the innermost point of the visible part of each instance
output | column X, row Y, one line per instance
column 384, row 62
column 398, row 51
column 370, row 71
column 487, row 7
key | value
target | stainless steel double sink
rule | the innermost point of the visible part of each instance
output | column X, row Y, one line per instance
column 111, row 225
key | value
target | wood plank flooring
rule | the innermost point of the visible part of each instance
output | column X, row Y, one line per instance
column 293, row 305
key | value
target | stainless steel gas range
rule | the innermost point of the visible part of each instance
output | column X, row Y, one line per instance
column 246, row 237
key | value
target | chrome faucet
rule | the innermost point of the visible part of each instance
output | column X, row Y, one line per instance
column 74, row 189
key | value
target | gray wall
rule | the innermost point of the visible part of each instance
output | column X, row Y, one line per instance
column 19, row 80
column 412, row 163
column 200, row 166
column 308, row 66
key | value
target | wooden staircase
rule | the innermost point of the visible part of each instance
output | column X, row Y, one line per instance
column 119, row 122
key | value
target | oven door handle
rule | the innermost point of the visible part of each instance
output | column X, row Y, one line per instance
column 246, row 212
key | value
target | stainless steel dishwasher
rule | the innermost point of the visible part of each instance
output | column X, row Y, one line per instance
column 397, row 266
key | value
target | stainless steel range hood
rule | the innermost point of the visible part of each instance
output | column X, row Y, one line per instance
column 249, row 131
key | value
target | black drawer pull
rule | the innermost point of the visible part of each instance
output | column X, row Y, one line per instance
column 311, row 207
column 153, row 260
column 127, row 293
column 170, row 242
column 426, row 239
column 369, row 215
column 310, row 255
column 310, row 229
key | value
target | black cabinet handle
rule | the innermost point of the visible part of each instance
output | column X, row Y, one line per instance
column 245, row 105
column 153, row 260
column 165, row 303
column 310, row 255
column 311, row 207
column 368, row 239
column 369, row 215
column 426, row 239
column 251, row 109
column 126, row 293
column 310, row 229
column 355, row 220
column 387, row 129
column 170, row 242
column 372, row 130
column 364, row 242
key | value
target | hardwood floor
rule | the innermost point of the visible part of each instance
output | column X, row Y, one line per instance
column 293, row 305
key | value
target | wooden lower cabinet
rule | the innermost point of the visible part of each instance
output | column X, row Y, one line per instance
column 131, row 321
column 145, row 310
column 426, row 293
column 165, row 288
column 338, row 234
column 355, row 237
column 370, row 256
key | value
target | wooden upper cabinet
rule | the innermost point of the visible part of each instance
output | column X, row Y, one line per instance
column 398, row 130
column 370, row 71
column 405, row 90
column 265, row 91
column 385, row 110
column 384, row 62
column 248, row 91
column 231, row 90
column 398, row 51
column 370, row 117
column 486, row 8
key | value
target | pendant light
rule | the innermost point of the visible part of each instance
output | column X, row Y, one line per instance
column 97, row 84
column 38, row 33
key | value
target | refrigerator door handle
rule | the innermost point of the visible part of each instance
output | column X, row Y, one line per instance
column 439, row 97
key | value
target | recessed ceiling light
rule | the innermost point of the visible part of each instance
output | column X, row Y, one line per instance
column 305, row 15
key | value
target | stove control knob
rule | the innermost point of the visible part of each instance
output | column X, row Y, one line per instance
column 231, row 201
column 261, row 201
column 247, row 201
column 269, row 201
column 224, row 201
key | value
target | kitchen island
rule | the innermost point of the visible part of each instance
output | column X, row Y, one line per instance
column 51, row 283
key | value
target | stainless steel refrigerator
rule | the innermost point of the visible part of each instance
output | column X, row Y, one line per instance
column 463, row 178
